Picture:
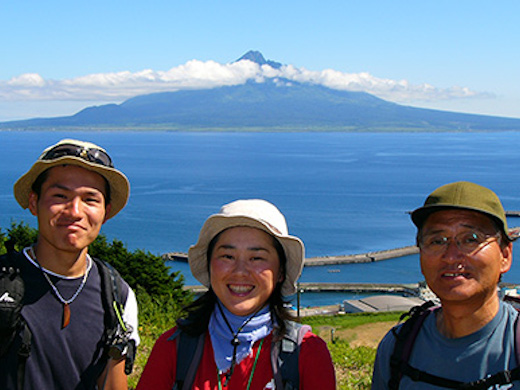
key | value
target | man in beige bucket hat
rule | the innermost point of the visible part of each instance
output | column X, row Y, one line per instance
column 72, row 189
column 469, row 340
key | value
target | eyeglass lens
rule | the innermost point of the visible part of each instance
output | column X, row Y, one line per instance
column 467, row 242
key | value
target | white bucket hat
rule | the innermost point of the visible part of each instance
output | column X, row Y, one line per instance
column 83, row 154
column 254, row 213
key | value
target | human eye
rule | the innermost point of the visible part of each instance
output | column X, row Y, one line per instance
column 472, row 238
column 93, row 198
column 435, row 240
column 225, row 255
column 58, row 194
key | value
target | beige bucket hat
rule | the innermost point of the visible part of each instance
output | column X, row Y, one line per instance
column 83, row 154
column 256, row 213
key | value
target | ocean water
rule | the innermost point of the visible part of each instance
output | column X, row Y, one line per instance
column 342, row 193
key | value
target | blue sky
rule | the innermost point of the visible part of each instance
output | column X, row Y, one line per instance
column 61, row 56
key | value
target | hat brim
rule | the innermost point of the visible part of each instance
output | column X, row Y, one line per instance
column 420, row 215
column 292, row 246
column 118, row 182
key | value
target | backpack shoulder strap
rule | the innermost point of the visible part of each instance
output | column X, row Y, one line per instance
column 189, row 355
column 116, row 334
column 285, row 356
column 404, row 340
column 517, row 338
column 110, row 292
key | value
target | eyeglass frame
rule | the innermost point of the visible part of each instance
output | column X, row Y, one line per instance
column 448, row 240
column 88, row 154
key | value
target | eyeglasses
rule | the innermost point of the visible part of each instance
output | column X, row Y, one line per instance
column 94, row 155
column 467, row 242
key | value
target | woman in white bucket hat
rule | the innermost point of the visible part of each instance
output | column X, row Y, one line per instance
column 239, row 334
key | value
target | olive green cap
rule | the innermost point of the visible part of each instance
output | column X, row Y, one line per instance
column 462, row 195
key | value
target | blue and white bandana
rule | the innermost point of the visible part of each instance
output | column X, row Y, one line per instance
column 256, row 329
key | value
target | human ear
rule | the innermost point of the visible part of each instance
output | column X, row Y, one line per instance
column 107, row 211
column 507, row 258
column 33, row 203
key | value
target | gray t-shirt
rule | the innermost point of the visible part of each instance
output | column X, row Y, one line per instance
column 476, row 356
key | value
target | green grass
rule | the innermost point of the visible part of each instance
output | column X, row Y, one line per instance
column 353, row 364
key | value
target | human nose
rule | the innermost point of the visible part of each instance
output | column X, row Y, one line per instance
column 453, row 250
column 241, row 265
column 74, row 207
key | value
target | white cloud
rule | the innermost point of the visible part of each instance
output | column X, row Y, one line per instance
column 196, row 74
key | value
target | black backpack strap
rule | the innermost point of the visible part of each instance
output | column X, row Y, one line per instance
column 117, row 332
column 189, row 355
column 285, row 356
column 404, row 340
column 23, row 354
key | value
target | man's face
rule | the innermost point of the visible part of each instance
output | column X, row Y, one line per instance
column 71, row 208
column 457, row 276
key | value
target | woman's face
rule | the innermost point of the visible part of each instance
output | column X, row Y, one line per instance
column 244, row 269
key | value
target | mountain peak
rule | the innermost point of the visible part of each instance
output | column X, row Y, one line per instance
column 258, row 58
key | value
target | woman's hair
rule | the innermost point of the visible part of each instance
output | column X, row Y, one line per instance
column 196, row 316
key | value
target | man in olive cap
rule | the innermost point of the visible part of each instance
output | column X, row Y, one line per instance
column 465, row 248
column 69, row 326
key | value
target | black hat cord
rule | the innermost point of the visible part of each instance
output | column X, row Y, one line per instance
column 235, row 342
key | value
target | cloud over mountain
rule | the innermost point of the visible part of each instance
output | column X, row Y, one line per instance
column 195, row 74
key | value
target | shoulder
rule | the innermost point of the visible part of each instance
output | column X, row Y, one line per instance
column 111, row 278
column 313, row 341
column 13, row 259
column 165, row 346
column 510, row 310
column 160, row 370
column 315, row 364
column 168, row 339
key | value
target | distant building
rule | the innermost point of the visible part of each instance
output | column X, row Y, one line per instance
column 379, row 303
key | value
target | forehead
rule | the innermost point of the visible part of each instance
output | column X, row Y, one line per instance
column 75, row 176
column 245, row 234
column 454, row 218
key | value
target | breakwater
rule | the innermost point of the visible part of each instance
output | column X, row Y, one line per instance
column 363, row 257
column 330, row 260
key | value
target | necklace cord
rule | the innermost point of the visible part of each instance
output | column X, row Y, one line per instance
column 65, row 302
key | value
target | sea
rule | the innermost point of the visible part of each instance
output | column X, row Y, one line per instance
column 341, row 193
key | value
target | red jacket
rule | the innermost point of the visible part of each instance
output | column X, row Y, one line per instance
column 315, row 366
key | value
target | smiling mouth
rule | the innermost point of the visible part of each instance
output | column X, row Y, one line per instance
column 240, row 288
column 455, row 274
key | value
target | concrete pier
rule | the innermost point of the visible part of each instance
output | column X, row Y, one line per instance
column 330, row 260
column 382, row 288
column 362, row 258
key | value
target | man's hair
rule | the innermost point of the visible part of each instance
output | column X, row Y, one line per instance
column 42, row 177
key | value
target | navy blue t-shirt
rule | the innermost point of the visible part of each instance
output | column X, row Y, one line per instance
column 60, row 358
